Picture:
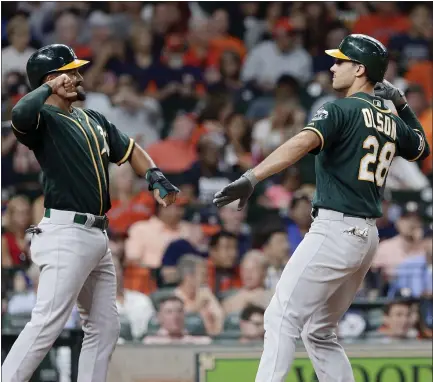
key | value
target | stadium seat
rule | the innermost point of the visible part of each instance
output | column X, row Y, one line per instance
column 125, row 329
column 227, row 293
column 153, row 326
column 195, row 325
column 232, row 323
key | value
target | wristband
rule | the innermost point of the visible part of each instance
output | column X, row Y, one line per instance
column 251, row 177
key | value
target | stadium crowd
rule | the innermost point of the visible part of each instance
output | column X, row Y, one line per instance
column 209, row 89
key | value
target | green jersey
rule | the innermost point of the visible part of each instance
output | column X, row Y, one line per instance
column 74, row 151
column 359, row 138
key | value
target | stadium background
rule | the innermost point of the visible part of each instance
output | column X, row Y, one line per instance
column 210, row 88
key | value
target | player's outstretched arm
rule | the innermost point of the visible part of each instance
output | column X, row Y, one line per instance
column 283, row 157
column 143, row 165
column 25, row 114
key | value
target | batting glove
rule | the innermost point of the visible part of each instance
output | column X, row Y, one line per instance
column 157, row 180
column 241, row 189
column 386, row 90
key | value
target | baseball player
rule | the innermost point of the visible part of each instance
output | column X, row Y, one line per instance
column 70, row 245
column 354, row 140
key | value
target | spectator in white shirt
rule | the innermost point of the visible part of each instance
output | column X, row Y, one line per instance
column 15, row 56
column 135, row 306
column 270, row 59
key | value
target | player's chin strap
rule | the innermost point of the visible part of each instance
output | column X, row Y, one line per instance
column 157, row 180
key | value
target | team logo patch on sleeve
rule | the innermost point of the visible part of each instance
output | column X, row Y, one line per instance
column 320, row 114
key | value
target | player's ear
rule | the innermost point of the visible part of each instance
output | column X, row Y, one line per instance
column 360, row 70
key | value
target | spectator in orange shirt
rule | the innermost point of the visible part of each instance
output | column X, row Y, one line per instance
column 148, row 239
column 175, row 154
column 196, row 295
column 384, row 23
column 128, row 204
column 421, row 73
column 417, row 101
column 171, row 317
column 223, row 273
column 222, row 41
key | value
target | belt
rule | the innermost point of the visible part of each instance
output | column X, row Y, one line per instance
column 315, row 212
column 91, row 221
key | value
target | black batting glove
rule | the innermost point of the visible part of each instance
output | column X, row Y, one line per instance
column 241, row 189
column 388, row 91
column 157, row 180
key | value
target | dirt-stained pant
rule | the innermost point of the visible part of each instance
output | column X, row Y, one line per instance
column 316, row 288
column 76, row 266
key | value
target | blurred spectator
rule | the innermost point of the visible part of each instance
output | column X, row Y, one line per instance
column 299, row 219
column 280, row 194
column 148, row 239
column 251, row 27
column 101, row 31
column 322, row 62
column 287, row 119
column 275, row 246
column 397, row 319
column 175, row 154
column 287, row 90
column 415, row 273
column 414, row 45
column 128, row 204
column 196, row 295
column 171, row 317
column 15, row 243
column 134, row 115
column 253, row 272
column 238, row 148
column 407, row 244
column 196, row 245
column 206, row 175
column 266, row 62
column 421, row 73
column 383, row 23
column 16, row 55
column 234, row 221
column 227, row 79
column 67, row 29
column 223, row 273
column 136, row 307
column 252, row 324
column 221, row 40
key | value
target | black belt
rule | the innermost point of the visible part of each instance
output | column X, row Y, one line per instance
column 315, row 212
column 100, row 222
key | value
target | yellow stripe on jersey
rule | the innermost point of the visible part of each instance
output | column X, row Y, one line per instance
column 97, row 146
column 93, row 158
column 387, row 111
column 128, row 152
column 319, row 134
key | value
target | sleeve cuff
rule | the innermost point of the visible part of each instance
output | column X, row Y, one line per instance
column 128, row 152
column 318, row 133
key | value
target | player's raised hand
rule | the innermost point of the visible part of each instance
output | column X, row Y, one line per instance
column 241, row 189
column 387, row 90
column 63, row 86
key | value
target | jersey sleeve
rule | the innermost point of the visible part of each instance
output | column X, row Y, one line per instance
column 411, row 141
column 326, row 123
column 119, row 143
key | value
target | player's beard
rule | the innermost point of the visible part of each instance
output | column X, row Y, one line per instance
column 81, row 94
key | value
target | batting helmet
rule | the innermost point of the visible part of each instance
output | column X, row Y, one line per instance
column 50, row 59
column 367, row 51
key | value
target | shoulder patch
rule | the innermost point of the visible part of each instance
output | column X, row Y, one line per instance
column 320, row 114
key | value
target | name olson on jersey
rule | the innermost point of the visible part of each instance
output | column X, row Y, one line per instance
column 380, row 122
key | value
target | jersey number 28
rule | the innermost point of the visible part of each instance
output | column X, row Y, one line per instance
column 384, row 158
